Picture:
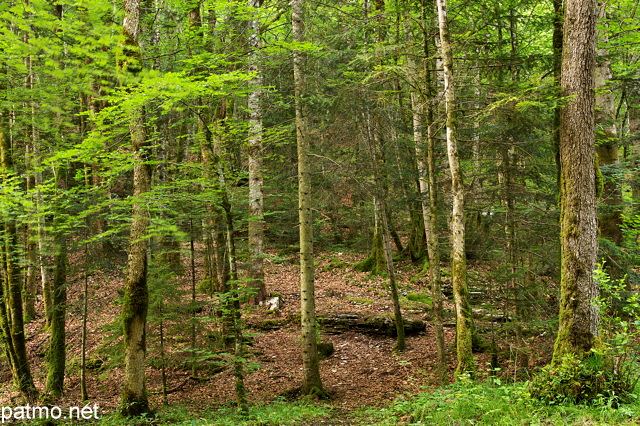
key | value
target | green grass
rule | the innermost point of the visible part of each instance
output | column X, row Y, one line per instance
column 494, row 403
column 276, row 413
column 463, row 403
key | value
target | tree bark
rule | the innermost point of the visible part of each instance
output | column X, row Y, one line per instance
column 57, row 343
column 11, row 309
column 464, row 319
column 578, row 328
column 607, row 146
column 425, row 160
column 256, row 182
column 135, row 304
column 311, row 381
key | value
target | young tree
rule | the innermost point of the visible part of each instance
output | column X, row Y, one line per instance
column 136, row 296
column 57, row 345
column 607, row 146
column 256, row 181
column 11, row 310
column 464, row 319
column 311, row 382
column 578, row 326
column 422, row 108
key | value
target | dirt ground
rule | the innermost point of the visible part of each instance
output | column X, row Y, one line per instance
column 363, row 371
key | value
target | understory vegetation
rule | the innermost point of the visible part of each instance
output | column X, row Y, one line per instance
column 490, row 402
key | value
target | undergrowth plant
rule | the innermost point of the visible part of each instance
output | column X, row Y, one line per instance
column 609, row 374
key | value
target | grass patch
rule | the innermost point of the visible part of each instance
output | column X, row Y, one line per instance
column 359, row 300
column 279, row 412
column 495, row 403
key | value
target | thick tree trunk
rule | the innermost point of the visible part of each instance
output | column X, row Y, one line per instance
column 578, row 328
column 464, row 319
column 311, row 382
column 135, row 304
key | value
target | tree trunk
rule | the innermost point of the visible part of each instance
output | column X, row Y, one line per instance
column 11, row 310
column 610, row 215
column 558, row 19
column 256, row 199
column 578, row 326
column 425, row 161
column 31, row 282
column 311, row 382
column 57, row 343
column 135, row 304
column 84, row 395
column 429, row 188
column 634, row 130
column 464, row 322
column 380, row 211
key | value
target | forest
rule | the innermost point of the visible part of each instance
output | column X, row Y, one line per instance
column 271, row 212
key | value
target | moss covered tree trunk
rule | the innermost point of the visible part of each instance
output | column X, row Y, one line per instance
column 31, row 279
column 464, row 319
column 57, row 343
column 135, row 304
column 578, row 327
column 423, row 116
column 11, row 308
column 429, row 187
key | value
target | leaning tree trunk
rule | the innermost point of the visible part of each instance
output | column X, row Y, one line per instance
column 578, row 327
column 464, row 319
column 136, row 294
column 311, row 382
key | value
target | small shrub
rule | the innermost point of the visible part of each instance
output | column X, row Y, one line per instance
column 609, row 374
column 598, row 378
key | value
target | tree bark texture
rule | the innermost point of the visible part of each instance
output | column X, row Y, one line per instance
column 464, row 319
column 256, row 182
column 136, row 294
column 11, row 308
column 428, row 196
column 311, row 381
column 607, row 146
column 57, row 344
column 634, row 130
column 578, row 326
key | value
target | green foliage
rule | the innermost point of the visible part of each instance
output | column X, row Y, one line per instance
column 278, row 412
column 493, row 403
column 609, row 374
column 598, row 379
column 420, row 298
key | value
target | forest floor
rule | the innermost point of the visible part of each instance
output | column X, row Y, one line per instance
column 364, row 370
